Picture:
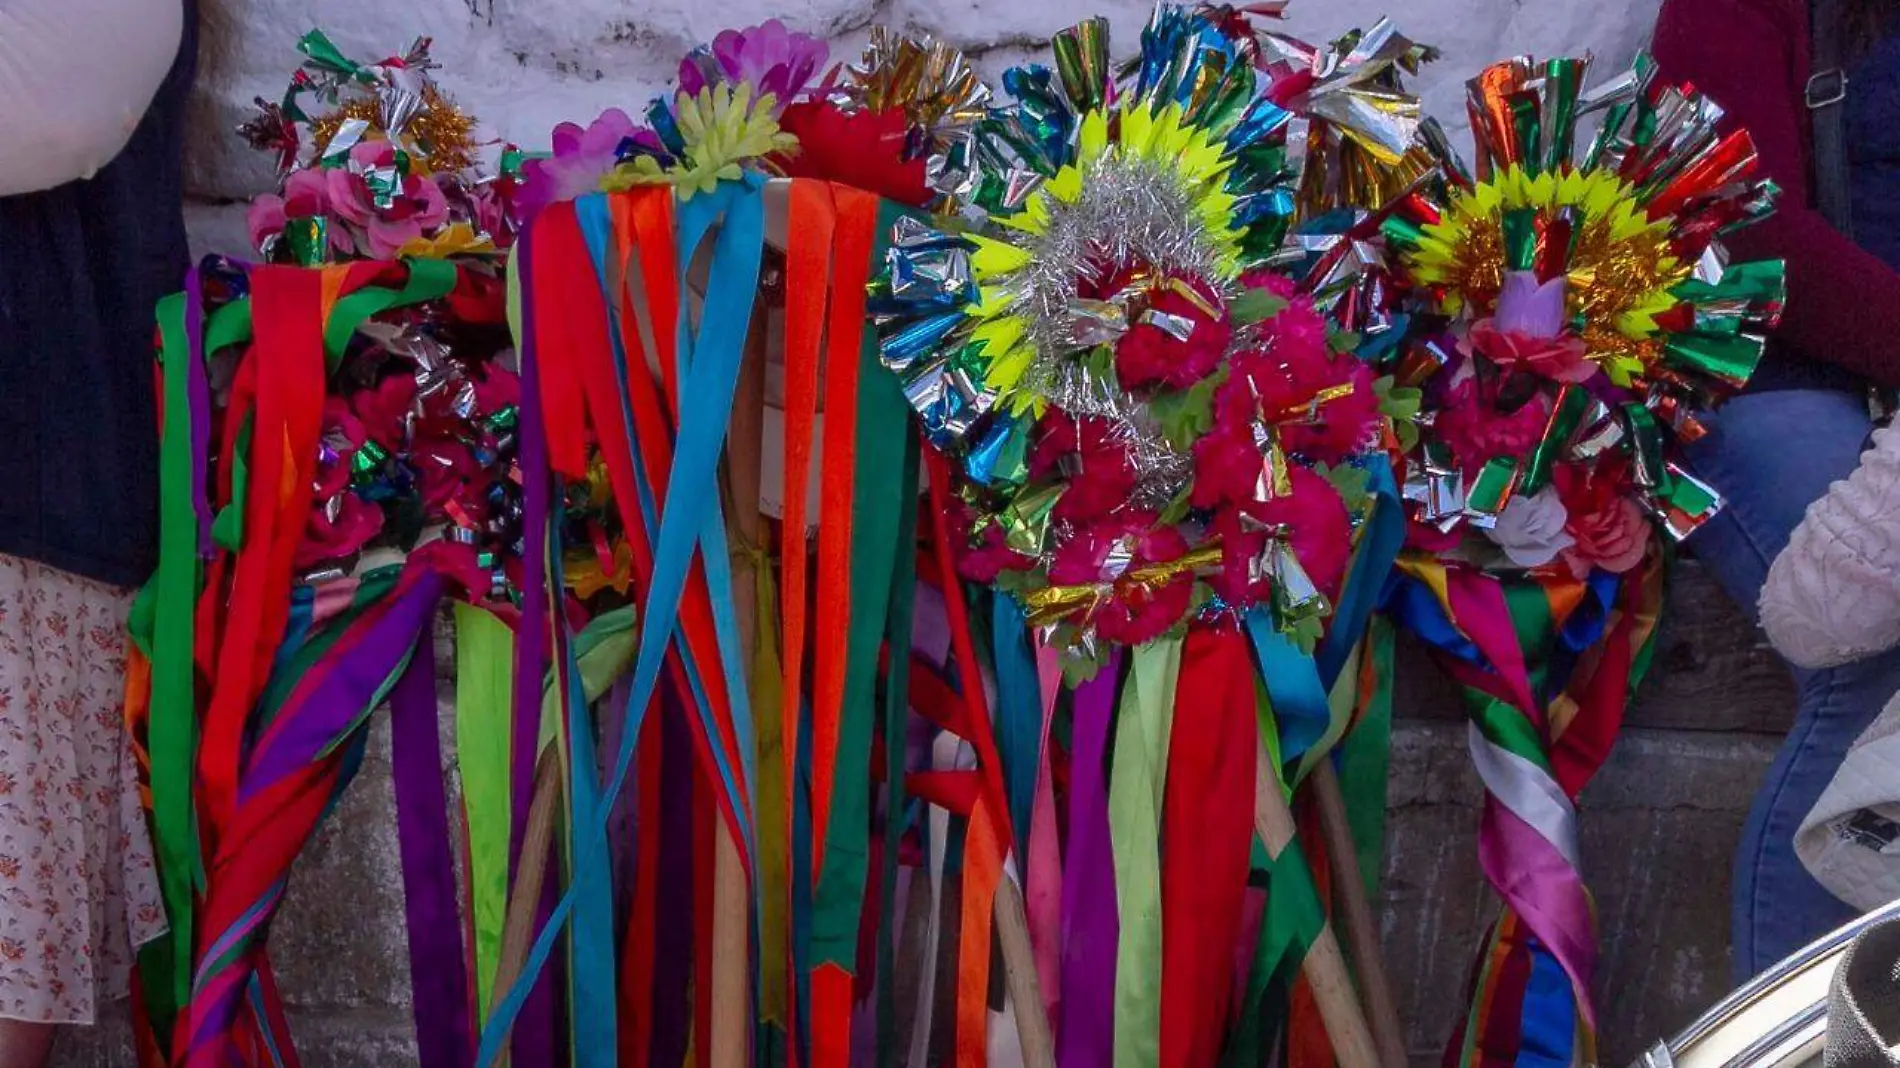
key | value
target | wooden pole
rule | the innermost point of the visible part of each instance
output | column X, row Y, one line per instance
column 1325, row 965
column 731, row 987
column 1357, row 917
column 1019, row 976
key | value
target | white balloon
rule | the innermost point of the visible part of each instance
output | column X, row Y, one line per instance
column 75, row 78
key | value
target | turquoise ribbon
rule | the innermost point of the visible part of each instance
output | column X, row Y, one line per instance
column 706, row 394
column 1018, row 710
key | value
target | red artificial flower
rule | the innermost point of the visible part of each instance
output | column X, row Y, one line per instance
column 383, row 410
column 1102, row 475
column 343, row 436
column 1608, row 529
column 331, row 538
column 1314, row 521
column 1471, row 425
column 1288, row 379
column 1227, row 463
column 1148, row 355
column 986, row 556
column 862, row 149
column 1137, row 612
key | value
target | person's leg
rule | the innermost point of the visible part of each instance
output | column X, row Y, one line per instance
column 1771, row 455
column 25, row 1045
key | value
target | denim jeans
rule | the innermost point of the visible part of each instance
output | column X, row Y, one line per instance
column 1772, row 454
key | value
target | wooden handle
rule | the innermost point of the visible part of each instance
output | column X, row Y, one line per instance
column 1019, row 975
column 1325, row 965
column 1357, row 917
column 731, row 959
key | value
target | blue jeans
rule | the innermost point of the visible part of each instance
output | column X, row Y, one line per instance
column 1772, row 454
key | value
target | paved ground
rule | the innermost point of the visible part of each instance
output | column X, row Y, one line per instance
column 1658, row 828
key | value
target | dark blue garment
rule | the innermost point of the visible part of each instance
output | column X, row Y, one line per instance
column 1873, row 150
column 81, row 267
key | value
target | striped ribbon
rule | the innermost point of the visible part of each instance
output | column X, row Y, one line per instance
column 1548, row 664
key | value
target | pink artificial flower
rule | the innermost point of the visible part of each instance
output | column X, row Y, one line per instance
column 1560, row 359
column 1428, row 538
column 1474, row 429
column 460, row 564
column 1136, row 613
column 1101, row 474
column 498, row 388
column 417, row 210
column 770, row 57
column 1607, row 528
column 1270, row 280
column 1148, row 355
column 582, row 157
column 306, row 195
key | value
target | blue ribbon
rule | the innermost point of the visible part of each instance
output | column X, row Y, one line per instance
column 706, row 394
column 1018, row 709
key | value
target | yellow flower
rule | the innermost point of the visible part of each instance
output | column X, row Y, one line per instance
column 723, row 127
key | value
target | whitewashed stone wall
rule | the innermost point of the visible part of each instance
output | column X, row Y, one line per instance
column 525, row 65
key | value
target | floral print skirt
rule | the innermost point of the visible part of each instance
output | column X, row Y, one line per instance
column 78, row 891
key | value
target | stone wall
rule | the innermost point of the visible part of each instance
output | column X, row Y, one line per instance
column 525, row 65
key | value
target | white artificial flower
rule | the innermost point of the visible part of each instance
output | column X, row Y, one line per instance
column 1530, row 529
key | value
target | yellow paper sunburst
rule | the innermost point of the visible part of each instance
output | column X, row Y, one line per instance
column 1621, row 268
column 1187, row 154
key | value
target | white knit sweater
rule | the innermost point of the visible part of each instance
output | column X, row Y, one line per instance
column 1833, row 595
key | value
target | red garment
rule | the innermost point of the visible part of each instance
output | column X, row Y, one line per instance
column 1751, row 56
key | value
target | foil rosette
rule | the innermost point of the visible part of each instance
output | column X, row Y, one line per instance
column 1138, row 405
column 1587, row 281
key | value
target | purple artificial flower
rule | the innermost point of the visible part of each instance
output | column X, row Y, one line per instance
column 1531, row 308
column 772, row 58
column 582, row 157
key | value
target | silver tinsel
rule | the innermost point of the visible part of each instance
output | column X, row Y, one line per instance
column 1131, row 212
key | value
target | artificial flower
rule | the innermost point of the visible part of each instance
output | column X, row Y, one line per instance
column 769, row 57
column 1531, row 528
column 862, row 149
column 416, row 207
column 1607, row 527
column 1100, row 473
column 582, row 157
column 306, row 196
column 1106, row 552
column 1313, row 521
column 341, row 439
column 1472, row 425
column 1149, row 354
column 1560, row 359
column 338, row 527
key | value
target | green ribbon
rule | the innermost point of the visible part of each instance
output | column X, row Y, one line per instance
column 884, row 487
column 428, row 280
column 1137, row 779
column 484, row 689
column 1365, row 758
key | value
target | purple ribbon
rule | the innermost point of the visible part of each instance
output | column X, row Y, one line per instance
column 438, row 971
column 1090, row 926
column 534, row 1028
column 333, row 697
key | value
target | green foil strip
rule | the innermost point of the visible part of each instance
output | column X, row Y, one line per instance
column 308, row 240
column 1727, row 359
column 1562, row 80
column 1566, row 416
column 1684, row 502
column 1081, row 54
column 1492, row 488
column 1645, row 437
column 1520, row 239
column 1529, row 127
column 1026, row 520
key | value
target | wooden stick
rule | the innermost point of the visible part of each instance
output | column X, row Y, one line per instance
column 1325, row 965
column 1357, row 917
column 517, row 927
column 1019, row 976
column 731, row 985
